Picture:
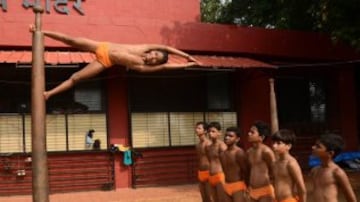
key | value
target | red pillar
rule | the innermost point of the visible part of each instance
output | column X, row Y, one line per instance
column 347, row 107
column 118, row 121
column 252, row 93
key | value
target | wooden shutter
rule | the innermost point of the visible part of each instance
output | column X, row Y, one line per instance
column 79, row 124
column 150, row 129
column 11, row 133
column 182, row 127
column 226, row 119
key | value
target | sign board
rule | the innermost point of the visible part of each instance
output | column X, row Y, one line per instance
column 60, row 6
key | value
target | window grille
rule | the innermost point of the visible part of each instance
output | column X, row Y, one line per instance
column 165, row 129
column 64, row 132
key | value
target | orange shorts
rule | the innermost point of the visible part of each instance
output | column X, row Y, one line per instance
column 262, row 192
column 231, row 188
column 292, row 199
column 203, row 175
column 102, row 54
column 216, row 179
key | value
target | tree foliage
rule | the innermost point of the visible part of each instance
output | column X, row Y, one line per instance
column 339, row 18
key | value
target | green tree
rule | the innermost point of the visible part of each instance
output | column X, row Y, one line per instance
column 339, row 18
column 211, row 11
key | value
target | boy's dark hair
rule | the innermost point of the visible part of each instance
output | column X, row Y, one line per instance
column 234, row 129
column 204, row 124
column 284, row 135
column 332, row 142
column 214, row 124
column 263, row 128
column 165, row 57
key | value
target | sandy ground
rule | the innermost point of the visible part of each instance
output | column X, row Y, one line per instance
column 181, row 193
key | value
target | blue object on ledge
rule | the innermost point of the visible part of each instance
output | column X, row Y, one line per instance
column 344, row 156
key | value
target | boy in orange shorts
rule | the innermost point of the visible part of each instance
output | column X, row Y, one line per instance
column 261, row 159
column 288, row 179
column 235, row 166
column 203, row 169
column 142, row 58
column 213, row 153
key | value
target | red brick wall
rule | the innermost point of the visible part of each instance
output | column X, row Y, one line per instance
column 169, row 22
column 348, row 112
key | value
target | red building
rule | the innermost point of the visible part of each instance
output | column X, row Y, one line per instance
column 315, row 82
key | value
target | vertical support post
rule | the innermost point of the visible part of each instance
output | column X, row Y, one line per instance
column 273, row 108
column 40, row 183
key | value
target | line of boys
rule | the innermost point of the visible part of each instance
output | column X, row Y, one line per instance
column 228, row 173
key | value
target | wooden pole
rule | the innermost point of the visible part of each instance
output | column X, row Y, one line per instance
column 40, row 183
column 273, row 108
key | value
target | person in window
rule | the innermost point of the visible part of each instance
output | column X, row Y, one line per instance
column 142, row 58
column 89, row 139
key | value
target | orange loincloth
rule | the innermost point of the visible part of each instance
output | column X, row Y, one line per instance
column 203, row 175
column 216, row 179
column 102, row 54
column 231, row 188
column 262, row 191
column 292, row 199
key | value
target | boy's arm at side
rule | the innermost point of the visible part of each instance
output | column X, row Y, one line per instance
column 223, row 146
column 296, row 175
column 311, row 185
column 269, row 158
column 344, row 183
column 242, row 160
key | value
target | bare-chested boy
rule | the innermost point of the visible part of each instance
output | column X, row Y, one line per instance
column 329, row 177
column 235, row 166
column 142, row 58
column 261, row 159
column 288, row 179
column 203, row 170
column 213, row 152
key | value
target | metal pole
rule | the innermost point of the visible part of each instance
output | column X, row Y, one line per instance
column 273, row 108
column 40, row 183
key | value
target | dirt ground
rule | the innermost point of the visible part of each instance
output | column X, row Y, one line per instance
column 181, row 193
